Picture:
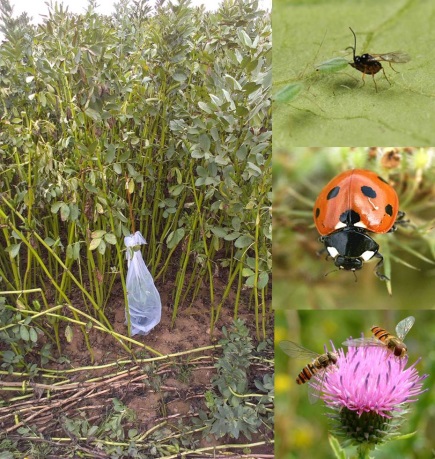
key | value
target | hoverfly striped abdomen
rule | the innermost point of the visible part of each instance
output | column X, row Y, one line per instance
column 320, row 363
column 394, row 344
column 382, row 337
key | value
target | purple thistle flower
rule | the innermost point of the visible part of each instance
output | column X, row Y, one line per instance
column 369, row 390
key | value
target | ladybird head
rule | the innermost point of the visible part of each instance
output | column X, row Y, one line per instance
column 349, row 264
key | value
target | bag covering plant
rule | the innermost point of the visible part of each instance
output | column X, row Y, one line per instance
column 144, row 308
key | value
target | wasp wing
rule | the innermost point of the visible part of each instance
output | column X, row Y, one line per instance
column 404, row 326
column 396, row 56
column 297, row 351
column 359, row 342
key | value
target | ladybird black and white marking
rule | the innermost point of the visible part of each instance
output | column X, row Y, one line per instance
column 350, row 206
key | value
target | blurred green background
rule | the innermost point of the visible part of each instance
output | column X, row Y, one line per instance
column 334, row 109
column 299, row 280
column 301, row 429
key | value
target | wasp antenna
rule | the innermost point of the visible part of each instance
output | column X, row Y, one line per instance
column 354, row 47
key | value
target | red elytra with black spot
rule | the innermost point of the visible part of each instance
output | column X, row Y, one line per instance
column 356, row 198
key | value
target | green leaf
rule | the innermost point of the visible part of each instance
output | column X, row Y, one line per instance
column 95, row 243
column 93, row 114
column 33, row 335
column 232, row 236
column 246, row 272
column 176, row 189
column 336, row 448
column 244, row 37
column 263, row 279
column 204, row 142
column 243, row 241
column 179, row 76
column 13, row 250
column 250, row 281
column 219, row 232
column 64, row 212
column 110, row 238
column 98, row 234
column 102, row 247
column 69, row 335
column 76, row 250
column 24, row 333
column 405, row 436
column 110, row 154
column 203, row 106
column 175, row 237
column 55, row 207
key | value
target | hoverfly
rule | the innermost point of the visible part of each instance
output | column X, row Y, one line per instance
column 318, row 366
column 381, row 337
column 370, row 63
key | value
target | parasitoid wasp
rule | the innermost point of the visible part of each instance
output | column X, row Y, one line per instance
column 370, row 64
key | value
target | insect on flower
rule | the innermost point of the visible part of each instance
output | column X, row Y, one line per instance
column 369, row 395
column 381, row 337
column 320, row 363
column 370, row 64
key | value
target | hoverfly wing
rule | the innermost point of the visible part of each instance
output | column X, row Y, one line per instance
column 397, row 57
column 404, row 326
column 314, row 390
column 296, row 351
column 359, row 342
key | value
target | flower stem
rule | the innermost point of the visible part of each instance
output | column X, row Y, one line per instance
column 363, row 451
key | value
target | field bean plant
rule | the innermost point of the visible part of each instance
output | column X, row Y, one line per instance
column 158, row 120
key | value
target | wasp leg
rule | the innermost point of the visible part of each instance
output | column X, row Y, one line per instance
column 379, row 266
column 385, row 75
column 393, row 67
column 374, row 81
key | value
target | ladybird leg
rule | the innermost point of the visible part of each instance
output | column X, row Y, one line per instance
column 323, row 250
column 385, row 75
column 379, row 266
column 400, row 221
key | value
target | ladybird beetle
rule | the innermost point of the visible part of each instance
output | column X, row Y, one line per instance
column 350, row 206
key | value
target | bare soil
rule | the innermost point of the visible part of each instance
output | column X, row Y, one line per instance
column 170, row 391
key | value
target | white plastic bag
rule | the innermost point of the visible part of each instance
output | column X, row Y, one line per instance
column 143, row 298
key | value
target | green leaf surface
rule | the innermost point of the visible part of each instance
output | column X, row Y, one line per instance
column 175, row 237
column 95, row 243
column 24, row 333
column 335, row 445
column 13, row 250
column 336, row 108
